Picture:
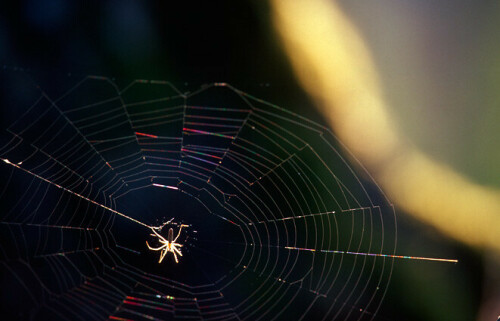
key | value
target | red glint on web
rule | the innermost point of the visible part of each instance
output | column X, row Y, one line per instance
column 146, row 135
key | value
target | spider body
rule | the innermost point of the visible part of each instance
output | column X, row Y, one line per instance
column 171, row 235
column 167, row 245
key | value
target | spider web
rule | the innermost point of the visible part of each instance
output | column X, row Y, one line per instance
column 280, row 225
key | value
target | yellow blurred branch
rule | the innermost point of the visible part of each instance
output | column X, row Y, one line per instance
column 334, row 66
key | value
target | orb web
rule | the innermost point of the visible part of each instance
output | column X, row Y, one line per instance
column 278, row 224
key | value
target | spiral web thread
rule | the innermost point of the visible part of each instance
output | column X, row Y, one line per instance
column 317, row 241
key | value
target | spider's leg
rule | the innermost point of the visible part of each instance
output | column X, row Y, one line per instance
column 161, row 238
column 158, row 235
column 174, row 248
column 178, row 234
column 162, row 256
column 175, row 257
column 155, row 248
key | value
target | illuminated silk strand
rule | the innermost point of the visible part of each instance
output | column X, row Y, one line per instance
column 76, row 194
column 374, row 254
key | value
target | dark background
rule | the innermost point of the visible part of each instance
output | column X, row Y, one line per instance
column 192, row 43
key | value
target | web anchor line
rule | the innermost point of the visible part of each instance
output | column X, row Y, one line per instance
column 76, row 194
column 374, row 254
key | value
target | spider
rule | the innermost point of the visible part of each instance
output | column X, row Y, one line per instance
column 169, row 244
